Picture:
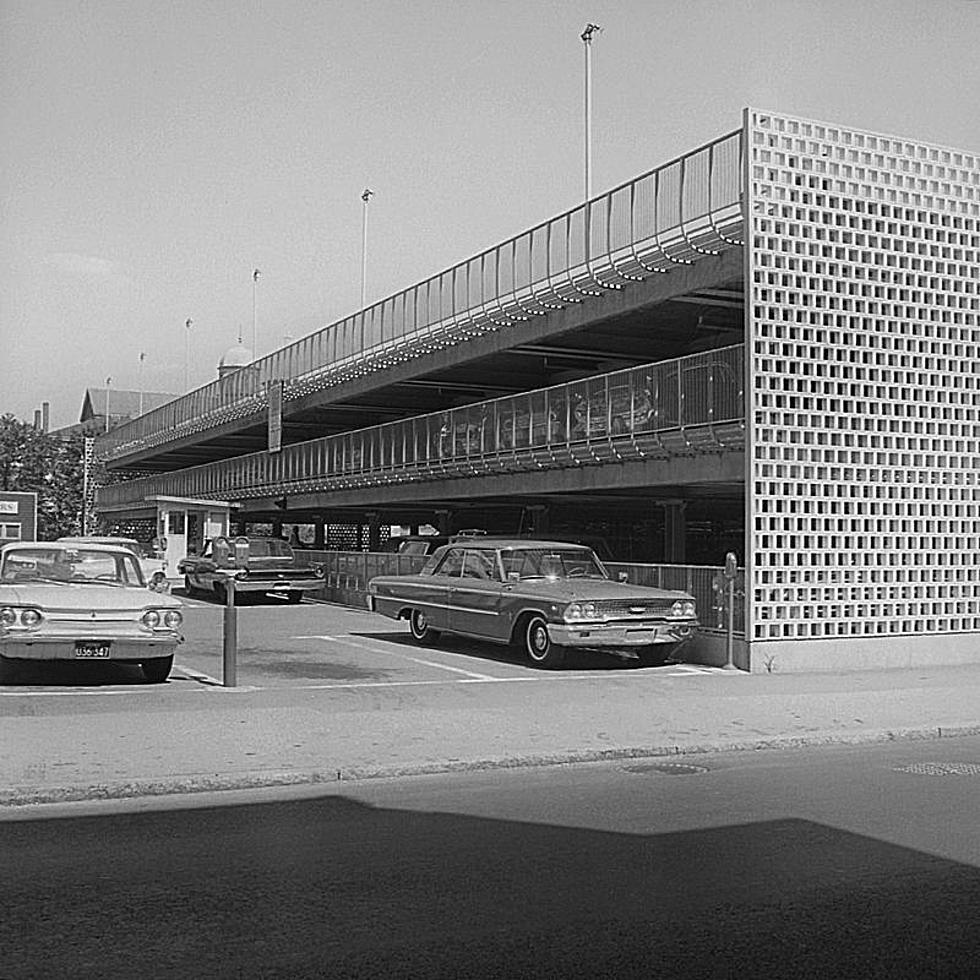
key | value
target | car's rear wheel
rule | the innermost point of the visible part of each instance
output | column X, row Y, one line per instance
column 537, row 644
column 221, row 592
column 422, row 632
column 8, row 668
column 656, row 655
column 157, row 670
column 188, row 587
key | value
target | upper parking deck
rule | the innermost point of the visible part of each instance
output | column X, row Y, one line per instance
column 663, row 220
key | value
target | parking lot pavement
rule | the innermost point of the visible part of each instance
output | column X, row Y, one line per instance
column 314, row 645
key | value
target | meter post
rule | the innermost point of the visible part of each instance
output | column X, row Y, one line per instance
column 229, row 653
column 731, row 573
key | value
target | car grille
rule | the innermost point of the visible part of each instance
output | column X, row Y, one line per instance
column 633, row 609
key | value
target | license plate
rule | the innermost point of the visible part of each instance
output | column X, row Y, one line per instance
column 92, row 651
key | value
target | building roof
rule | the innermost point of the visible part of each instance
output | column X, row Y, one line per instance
column 122, row 404
column 237, row 355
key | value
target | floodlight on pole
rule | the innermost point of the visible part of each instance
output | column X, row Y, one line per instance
column 142, row 359
column 590, row 29
column 255, row 319
column 187, row 353
column 365, row 197
column 108, row 382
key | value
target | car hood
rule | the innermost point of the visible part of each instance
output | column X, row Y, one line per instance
column 52, row 595
column 572, row 590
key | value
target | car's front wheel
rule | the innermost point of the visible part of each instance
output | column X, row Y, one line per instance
column 537, row 644
column 422, row 632
column 157, row 670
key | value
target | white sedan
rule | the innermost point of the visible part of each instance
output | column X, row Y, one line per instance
column 62, row 601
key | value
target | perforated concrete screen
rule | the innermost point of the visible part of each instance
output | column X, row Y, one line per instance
column 862, row 300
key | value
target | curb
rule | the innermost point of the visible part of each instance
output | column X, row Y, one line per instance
column 176, row 785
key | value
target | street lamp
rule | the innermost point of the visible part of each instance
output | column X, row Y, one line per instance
column 255, row 329
column 187, row 353
column 590, row 29
column 365, row 197
column 108, row 382
column 142, row 359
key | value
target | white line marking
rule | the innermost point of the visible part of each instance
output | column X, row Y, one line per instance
column 77, row 692
column 455, row 670
column 196, row 675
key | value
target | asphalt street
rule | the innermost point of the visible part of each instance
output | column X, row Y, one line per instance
column 834, row 862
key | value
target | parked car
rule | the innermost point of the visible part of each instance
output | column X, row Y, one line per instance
column 415, row 544
column 266, row 565
column 154, row 566
column 63, row 601
column 543, row 596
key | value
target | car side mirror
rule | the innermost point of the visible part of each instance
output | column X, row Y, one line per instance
column 622, row 577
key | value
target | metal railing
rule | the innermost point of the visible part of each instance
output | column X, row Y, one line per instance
column 348, row 573
column 683, row 406
column 668, row 217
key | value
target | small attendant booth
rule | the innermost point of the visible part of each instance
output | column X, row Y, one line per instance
column 184, row 524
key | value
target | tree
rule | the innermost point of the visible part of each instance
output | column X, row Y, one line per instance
column 50, row 466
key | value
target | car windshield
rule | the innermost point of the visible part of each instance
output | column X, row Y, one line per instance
column 77, row 565
column 551, row 563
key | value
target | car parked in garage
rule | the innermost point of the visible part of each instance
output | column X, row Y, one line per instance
column 87, row 602
column 545, row 597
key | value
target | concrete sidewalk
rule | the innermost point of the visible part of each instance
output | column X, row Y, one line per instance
column 189, row 737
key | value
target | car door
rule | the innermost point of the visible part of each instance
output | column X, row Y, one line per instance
column 430, row 593
column 474, row 598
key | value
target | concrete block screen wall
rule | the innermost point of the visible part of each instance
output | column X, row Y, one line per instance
column 862, row 294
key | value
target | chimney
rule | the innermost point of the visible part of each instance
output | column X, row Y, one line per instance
column 37, row 419
column 45, row 413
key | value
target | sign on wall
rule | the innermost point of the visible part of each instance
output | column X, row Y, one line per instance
column 18, row 516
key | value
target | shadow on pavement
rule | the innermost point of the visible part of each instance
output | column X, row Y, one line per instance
column 334, row 888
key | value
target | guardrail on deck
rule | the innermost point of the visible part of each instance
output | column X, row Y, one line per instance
column 680, row 407
column 668, row 217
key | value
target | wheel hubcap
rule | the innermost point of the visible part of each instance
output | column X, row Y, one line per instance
column 420, row 622
column 539, row 641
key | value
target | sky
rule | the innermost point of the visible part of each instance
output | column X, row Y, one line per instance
column 153, row 153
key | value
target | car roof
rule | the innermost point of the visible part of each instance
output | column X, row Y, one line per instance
column 515, row 543
column 93, row 539
column 62, row 545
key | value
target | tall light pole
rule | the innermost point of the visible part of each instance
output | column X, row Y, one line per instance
column 255, row 319
column 365, row 197
column 142, row 359
column 590, row 29
column 108, row 382
column 187, row 353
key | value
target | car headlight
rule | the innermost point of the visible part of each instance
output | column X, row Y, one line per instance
column 683, row 607
column 576, row 611
column 14, row 616
column 30, row 618
column 172, row 618
column 150, row 619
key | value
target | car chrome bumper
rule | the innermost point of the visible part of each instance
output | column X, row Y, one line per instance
column 638, row 635
column 63, row 648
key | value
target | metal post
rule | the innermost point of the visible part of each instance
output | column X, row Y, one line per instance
column 590, row 29
column 255, row 318
column 229, row 653
column 187, row 353
column 731, row 573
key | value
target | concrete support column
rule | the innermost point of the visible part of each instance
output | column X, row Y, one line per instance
column 539, row 519
column 277, row 528
column 675, row 531
column 318, row 533
column 444, row 521
column 374, row 531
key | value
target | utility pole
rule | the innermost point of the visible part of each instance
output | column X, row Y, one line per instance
column 365, row 197
column 590, row 29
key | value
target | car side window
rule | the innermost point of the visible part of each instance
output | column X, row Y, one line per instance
column 480, row 565
column 452, row 564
